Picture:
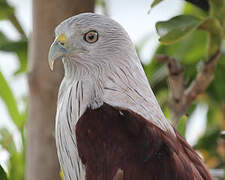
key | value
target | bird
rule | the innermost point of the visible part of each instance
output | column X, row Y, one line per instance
column 109, row 125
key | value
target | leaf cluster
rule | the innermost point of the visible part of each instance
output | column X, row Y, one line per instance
column 16, row 163
column 192, row 38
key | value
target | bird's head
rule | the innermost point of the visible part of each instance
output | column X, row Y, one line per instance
column 98, row 52
column 91, row 41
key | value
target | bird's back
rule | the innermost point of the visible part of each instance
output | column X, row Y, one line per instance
column 116, row 144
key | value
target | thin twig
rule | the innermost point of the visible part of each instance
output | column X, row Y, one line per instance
column 182, row 98
column 202, row 80
column 13, row 19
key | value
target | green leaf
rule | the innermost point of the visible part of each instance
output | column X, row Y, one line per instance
column 155, row 2
column 189, row 8
column 16, row 163
column 181, row 127
column 213, row 27
column 176, row 28
column 3, row 175
column 17, row 166
column 17, row 47
column 6, row 141
column 5, row 10
column 217, row 10
column 13, row 46
column 216, row 88
column 189, row 50
column 209, row 140
column 8, row 98
column 22, row 55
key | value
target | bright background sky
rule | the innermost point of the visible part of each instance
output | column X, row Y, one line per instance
column 133, row 15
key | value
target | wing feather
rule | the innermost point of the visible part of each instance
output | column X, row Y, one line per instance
column 111, row 139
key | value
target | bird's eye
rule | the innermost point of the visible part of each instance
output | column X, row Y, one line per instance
column 91, row 36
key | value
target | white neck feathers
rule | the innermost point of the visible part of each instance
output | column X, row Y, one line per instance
column 124, row 86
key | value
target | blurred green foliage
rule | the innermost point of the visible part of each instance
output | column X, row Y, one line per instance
column 16, row 163
column 192, row 38
column 176, row 28
column 3, row 175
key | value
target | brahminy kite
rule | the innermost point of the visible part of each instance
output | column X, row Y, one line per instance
column 109, row 125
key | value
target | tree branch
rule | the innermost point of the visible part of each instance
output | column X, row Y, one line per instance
column 175, row 76
column 202, row 80
column 182, row 98
column 176, row 84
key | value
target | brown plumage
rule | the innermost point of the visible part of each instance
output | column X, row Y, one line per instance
column 117, row 144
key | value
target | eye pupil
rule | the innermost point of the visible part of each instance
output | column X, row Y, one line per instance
column 91, row 36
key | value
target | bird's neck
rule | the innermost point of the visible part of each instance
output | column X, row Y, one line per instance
column 124, row 86
column 87, row 86
column 121, row 85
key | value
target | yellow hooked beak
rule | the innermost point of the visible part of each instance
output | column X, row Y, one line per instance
column 57, row 50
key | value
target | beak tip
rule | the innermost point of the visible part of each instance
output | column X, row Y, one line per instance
column 56, row 51
column 51, row 64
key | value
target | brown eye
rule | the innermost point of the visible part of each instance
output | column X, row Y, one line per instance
column 91, row 36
